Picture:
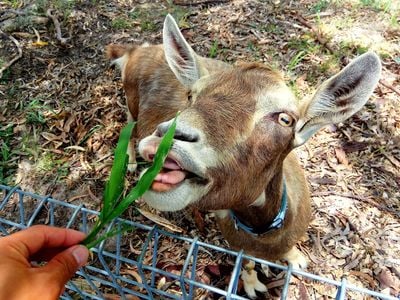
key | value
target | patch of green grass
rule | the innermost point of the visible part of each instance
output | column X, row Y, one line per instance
column 30, row 144
column 179, row 13
column 213, row 52
column 320, row 6
column 379, row 5
column 255, row 50
column 353, row 48
column 89, row 134
column 64, row 7
column 6, row 169
column 146, row 18
column 394, row 20
column 295, row 60
column 49, row 163
column 305, row 43
column 120, row 23
column 330, row 65
column 135, row 14
column 6, row 73
column 271, row 28
column 292, row 85
column 34, row 112
column 13, row 3
column 148, row 25
column 35, row 117
column 304, row 47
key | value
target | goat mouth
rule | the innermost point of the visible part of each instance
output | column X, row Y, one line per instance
column 172, row 175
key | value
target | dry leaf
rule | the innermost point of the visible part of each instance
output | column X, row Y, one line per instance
column 51, row 137
column 134, row 274
column 303, row 293
column 213, row 269
column 67, row 125
column 160, row 221
column 199, row 220
column 40, row 44
column 79, row 148
column 161, row 283
column 366, row 277
column 387, row 280
column 341, row 156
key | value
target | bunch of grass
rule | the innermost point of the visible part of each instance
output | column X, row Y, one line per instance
column 114, row 204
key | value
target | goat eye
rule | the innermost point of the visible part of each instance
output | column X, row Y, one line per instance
column 285, row 120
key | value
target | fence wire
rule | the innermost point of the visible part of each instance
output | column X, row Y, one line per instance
column 106, row 274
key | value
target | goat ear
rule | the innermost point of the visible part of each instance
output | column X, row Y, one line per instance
column 180, row 56
column 339, row 97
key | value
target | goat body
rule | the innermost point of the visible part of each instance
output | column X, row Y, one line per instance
column 232, row 151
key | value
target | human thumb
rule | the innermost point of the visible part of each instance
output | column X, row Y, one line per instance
column 64, row 265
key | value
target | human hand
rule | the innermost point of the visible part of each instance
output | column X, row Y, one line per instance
column 20, row 280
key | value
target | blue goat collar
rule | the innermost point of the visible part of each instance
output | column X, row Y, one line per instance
column 276, row 223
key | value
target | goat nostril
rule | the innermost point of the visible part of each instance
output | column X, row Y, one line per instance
column 158, row 133
column 186, row 137
column 181, row 134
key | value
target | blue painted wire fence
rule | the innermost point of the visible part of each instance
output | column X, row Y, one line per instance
column 105, row 274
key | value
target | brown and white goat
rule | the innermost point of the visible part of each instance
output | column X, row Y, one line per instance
column 232, row 151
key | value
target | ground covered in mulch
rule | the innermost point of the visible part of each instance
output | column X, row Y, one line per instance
column 62, row 107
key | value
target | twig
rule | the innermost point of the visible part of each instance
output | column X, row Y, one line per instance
column 18, row 56
column 62, row 40
column 198, row 2
column 390, row 87
column 323, row 41
column 16, row 12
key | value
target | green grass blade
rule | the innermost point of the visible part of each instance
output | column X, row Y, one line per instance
column 125, row 228
column 115, row 184
column 147, row 178
column 114, row 187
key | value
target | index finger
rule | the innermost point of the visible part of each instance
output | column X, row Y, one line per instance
column 35, row 238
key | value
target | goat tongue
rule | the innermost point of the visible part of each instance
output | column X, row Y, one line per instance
column 171, row 164
column 166, row 180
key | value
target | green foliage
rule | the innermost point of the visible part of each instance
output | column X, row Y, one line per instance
column 30, row 144
column 49, row 163
column 146, row 18
column 320, row 6
column 6, row 73
column 13, row 3
column 89, row 134
column 379, row 5
column 180, row 14
column 353, row 48
column 6, row 133
column 272, row 28
column 113, row 202
column 65, row 7
column 213, row 50
column 148, row 25
column 120, row 23
column 34, row 112
column 295, row 60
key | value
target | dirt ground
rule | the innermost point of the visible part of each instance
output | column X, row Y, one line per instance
column 62, row 107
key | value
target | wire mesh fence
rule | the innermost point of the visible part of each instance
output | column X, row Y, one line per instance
column 107, row 273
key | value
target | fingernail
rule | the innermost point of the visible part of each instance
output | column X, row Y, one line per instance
column 81, row 254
